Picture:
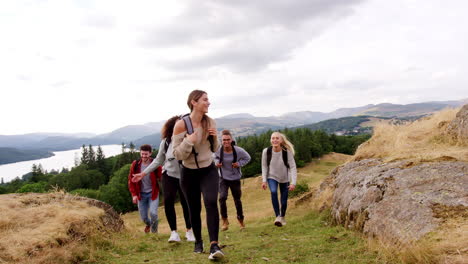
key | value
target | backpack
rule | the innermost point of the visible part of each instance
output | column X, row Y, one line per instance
column 234, row 153
column 189, row 127
column 285, row 156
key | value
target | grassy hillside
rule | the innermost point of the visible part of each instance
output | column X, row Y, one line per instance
column 307, row 237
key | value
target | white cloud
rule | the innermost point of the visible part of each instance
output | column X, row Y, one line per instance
column 70, row 66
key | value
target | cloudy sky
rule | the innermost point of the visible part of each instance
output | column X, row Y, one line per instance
column 94, row 66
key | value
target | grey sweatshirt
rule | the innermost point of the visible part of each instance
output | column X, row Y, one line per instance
column 227, row 172
column 278, row 170
column 171, row 164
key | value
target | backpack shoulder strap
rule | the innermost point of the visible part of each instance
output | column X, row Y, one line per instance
column 136, row 167
column 285, row 158
column 188, row 123
column 211, row 140
column 234, row 153
column 221, row 154
column 189, row 128
column 166, row 145
column 269, row 150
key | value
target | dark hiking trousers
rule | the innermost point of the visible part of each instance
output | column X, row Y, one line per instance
column 235, row 186
column 171, row 187
column 197, row 182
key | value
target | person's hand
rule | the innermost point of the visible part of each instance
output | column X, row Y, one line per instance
column 264, row 185
column 137, row 177
column 212, row 131
column 219, row 165
column 292, row 187
column 135, row 199
column 235, row 165
column 193, row 137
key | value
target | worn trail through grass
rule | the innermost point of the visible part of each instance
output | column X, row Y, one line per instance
column 308, row 236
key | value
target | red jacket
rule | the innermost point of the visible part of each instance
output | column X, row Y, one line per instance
column 135, row 187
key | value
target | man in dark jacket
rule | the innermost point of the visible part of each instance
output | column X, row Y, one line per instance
column 145, row 191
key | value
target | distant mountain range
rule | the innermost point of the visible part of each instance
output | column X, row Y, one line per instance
column 240, row 124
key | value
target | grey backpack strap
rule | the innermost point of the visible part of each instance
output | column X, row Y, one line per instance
column 189, row 128
column 188, row 124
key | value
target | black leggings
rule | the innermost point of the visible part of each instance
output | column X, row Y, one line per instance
column 197, row 182
column 171, row 186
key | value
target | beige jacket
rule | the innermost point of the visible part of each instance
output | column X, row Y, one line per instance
column 183, row 148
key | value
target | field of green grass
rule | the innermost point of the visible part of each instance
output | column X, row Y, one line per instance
column 308, row 236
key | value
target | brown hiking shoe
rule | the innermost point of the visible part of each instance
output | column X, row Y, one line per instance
column 225, row 225
column 147, row 229
column 241, row 223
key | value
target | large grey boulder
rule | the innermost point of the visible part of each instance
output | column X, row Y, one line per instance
column 398, row 201
column 458, row 128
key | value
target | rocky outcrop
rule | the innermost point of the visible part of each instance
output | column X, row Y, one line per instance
column 398, row 201
column 458, row 128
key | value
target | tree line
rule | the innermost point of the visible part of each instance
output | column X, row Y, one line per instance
column 308, row 144
column 105, row 179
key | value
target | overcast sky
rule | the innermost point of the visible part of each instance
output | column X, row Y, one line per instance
column 94, row 66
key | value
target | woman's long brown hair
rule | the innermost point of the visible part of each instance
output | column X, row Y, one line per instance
column 168, row 128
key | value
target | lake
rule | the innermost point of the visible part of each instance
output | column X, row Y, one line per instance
column 61, row 159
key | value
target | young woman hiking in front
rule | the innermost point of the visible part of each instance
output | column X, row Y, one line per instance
column 170, row 181
column 199, row 175
column 279, row 169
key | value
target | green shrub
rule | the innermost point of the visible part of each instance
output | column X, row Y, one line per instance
column 38, row 187
column 93, row 194
column 116, row 192
column 300, row 163
column 301, row 187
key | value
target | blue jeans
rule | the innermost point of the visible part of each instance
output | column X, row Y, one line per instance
column 145, row 205
column 273, row 185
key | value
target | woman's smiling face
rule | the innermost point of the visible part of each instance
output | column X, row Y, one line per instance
column 276, row 140
column 202, row 104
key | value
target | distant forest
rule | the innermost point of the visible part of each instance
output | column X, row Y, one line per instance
column 10, row 155
column 105, row 179
column 348, row 125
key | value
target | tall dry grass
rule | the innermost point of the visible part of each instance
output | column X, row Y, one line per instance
column 421, row 140
column 47, row 228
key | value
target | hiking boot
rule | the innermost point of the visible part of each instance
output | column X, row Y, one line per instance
column 241, row 223
column 278, row 221
column 283, row 221
column 189, row 236
column 215, row 252
column 198, row 247
column 154, row 227
column 147, row 229
column 174, row 237
column 225, row 225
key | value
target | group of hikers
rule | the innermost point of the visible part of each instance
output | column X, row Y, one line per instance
column 194, row 165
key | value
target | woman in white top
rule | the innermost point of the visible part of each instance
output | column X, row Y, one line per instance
column 279, row 169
